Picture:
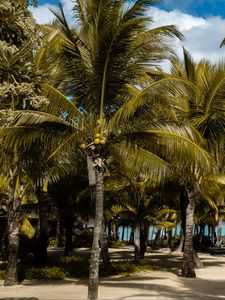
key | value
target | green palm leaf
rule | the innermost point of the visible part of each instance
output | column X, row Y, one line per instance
column 60, row 105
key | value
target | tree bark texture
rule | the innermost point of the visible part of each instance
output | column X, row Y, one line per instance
column 197, row 262
column 137, row 242
column 219, row 235
column 143, row 240
column 105, row 250
column 95, row 252
column 183, row 208
column 220, row 224
column 91, row 178
column 188, row 258
column 13, row 223
column 180, row 246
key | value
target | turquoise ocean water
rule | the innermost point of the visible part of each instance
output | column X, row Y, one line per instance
column 152, row 232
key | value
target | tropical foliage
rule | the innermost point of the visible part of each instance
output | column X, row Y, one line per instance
column 92, row 128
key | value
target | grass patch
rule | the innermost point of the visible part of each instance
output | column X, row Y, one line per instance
column 74, row 267
column 45, row 273
column 128, row 267
column 116, row 244
column 60, row 268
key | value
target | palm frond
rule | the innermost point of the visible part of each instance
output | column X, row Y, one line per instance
column 138, row 98
column 29, row 127
column 136, row 161
column 222, row 43
column 181, row 142
column 60, row 105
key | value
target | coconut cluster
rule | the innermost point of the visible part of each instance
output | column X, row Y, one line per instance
column 98, row 140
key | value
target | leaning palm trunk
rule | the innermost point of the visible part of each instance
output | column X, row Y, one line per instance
column 188, row 255
column 95, row 252
column 180, row 246
column 197, row 262
column 14, row 220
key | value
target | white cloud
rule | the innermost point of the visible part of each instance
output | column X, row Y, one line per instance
column 202, row 36
column 43, row 14
column 67, row 5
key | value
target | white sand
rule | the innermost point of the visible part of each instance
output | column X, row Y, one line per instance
column 161, row 283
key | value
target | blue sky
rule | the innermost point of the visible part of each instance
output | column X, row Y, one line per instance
column 204, row 8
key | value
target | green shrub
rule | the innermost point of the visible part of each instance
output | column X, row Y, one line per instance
column 51, row 241
column 128, row 267
column 75, row 266
column 83, row 239
column 175, row 241
column 201, row 242
column 113, row 243
column 164, row 243
column 45, row 273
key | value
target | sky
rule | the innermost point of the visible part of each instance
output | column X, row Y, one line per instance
column 201, row 21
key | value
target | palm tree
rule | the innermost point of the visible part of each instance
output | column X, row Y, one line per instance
column 199, row 103
column 106, row 51
column 138, row 205
column 19, row 86
column 23, row 67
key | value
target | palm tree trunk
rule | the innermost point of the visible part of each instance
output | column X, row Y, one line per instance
column 157, row 239
column 188, row 256
column 180, row 246
column 219, row 235
column 197, row 262
column 143, row 241
column 95, row 252
column 137, row 244
column 109, row 229
column 220, row 225
column 91, row 177
column 170, row 235
column 123, row 230
column 183, row 208
column 14, row 220
column 41, row 253
column 59, row 231
column 105, row 250
column 213, row 234
column 131, row 239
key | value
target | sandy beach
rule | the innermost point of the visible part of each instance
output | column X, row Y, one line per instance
column 163, row 282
